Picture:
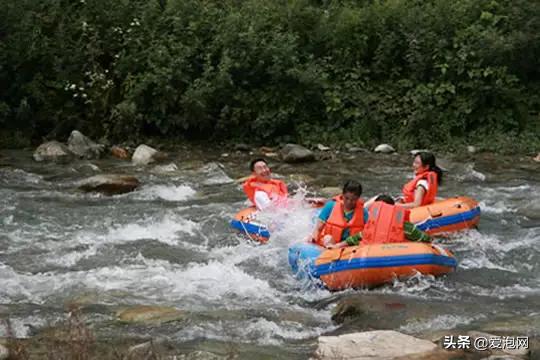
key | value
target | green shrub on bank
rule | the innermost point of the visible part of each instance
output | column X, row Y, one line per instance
column 416, row 73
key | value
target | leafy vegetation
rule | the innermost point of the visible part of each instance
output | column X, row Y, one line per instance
column 415, row 73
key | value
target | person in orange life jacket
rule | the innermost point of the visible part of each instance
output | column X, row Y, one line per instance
column 341, row 217
column 422, row 190
column 260, row 188
column 387, row 223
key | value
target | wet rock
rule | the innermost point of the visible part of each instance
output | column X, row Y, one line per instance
column 141, row 351
column 266, row 149
column 272, row 155
column 384, row 149
column 294, row 153
column 87, row 167
column 241, row 180
column 203, row 355
column 354, row 149
column 330, row 191
column 83, row 147
column 502, row 357
column 215, row 175
column 110, row 184
column 471, row 149
column 225, row 155
column 151, row 314
column 165, row 169
column 53, row 151
column 537, row 158
column 119, row 153
column 301, row 178
column 380, row 344
column 4, row 352
column 242, row 147
column 417, row 151
column 322, row 147
column 145, row 155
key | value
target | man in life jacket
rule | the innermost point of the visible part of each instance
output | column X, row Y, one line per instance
column 387, row 223
column 341, row 217
column 260, row 188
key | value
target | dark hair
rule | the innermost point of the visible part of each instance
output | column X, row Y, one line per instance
column 428, row 159
column 254, row 161
column 386, row 199
column 352, row 186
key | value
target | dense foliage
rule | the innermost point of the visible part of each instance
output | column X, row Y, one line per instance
column 412, row 72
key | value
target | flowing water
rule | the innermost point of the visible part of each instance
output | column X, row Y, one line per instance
column 169, row 244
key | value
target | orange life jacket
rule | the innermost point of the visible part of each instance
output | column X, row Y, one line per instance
column 274, row 188
column 431, row 192
column 337, row 223
column 385, row 224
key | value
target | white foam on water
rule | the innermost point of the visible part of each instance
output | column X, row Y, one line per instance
column 164, row 192
column 19, row 176
column 517, row 291
column 258, row 331
column 20, row 328
column 497, row 207
column 163, row 230
column 481, row 261
column 169, row 229
column 479, row 243
column 194, row 285
column 439, row 322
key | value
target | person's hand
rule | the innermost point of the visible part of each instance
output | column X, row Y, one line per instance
column 332, row 246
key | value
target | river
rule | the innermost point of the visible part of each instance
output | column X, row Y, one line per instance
column 169, row 244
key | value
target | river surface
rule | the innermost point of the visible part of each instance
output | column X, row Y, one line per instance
column 169, row 244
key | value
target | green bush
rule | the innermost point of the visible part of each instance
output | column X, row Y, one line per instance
column 415, row 73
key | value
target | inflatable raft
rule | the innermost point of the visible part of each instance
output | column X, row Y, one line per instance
column 245, row 222
column 448, row 215
column 368, row 265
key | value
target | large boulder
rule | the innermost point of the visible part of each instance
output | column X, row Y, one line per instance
column 53, row 151
column 385, row 149
column 215, row 174
column 380, row 344
column 150, row 314
column 293, row 153
column 110, row 184
column 84, row 147
column 145, row 155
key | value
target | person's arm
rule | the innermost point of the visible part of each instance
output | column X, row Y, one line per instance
column 323, row 217
column 262, row 200
column 353, row 240
column 317, row 230
column 418, row 196
column 413, row 233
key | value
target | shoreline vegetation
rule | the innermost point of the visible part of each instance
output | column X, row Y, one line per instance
column 431, row 74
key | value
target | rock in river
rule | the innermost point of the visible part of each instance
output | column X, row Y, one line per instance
column 110, row 184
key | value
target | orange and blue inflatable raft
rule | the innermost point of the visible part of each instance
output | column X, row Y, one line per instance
column 367, row 266
column 448, row 215
column 245, row 222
